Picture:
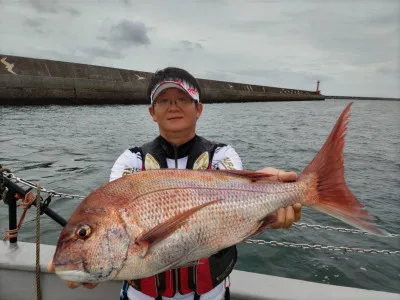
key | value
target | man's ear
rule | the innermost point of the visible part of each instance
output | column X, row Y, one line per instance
column 151, row 111
column 199, row 110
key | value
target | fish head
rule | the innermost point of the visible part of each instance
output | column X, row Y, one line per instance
column 93, row 245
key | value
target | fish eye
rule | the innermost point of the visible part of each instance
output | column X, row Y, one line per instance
column 83, row 232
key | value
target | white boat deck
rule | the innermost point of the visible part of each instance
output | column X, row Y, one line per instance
column 18, row 281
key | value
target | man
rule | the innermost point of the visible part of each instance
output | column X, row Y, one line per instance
column 175, row 105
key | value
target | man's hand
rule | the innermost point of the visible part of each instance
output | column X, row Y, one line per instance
column 286, row 216
column 70, row 284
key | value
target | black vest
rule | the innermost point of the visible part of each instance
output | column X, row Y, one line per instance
column 214, row 269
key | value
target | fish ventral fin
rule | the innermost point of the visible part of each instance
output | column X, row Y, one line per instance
column 327, row 190
column 165, row 229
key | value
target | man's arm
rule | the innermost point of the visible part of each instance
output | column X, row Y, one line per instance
column 226, row 158
column 127, row 163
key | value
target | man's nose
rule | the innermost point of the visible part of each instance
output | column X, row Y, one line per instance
column 172, row 104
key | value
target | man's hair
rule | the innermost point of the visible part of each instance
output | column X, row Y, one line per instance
column 171, row 73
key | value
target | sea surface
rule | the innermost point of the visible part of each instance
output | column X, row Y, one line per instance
column 72, row 149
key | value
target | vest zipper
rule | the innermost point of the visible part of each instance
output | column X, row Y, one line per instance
column 195, row 278
column 176, row 157
column 157, row 284
column 176, row 281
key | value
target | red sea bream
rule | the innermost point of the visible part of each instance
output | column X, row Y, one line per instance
column 152, row 221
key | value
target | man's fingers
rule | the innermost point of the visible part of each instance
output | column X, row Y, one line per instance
column 285, row 217
column 289, row 217
column 50, row 266
column 269, row 170
column 286, row 176
column 297, row 212
column 280, row 218
column 280, row 175
column 72, row 284
column 90, row 285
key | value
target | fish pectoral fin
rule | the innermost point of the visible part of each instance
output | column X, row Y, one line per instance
column 144, row 245
column 165, row 229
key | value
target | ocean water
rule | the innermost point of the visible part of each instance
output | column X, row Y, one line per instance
column 72, row 149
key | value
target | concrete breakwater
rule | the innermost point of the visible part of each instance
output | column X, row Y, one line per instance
column 30, row 81
column 361, row 98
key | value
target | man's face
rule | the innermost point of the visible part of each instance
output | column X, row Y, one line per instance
column 175, row 111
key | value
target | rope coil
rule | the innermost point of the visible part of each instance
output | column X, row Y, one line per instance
column 27, row 202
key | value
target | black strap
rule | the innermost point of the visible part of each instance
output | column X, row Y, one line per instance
column 227, row 293
column 156, row 151
column 201, row 145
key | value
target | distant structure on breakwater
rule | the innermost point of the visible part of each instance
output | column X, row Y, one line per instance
column 31, row 81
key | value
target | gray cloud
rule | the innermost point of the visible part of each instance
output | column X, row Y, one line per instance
column 38, row 25
column 350, row 33
column 222, row 76
column 392, row 70
column 53, row 6
column 283, row 75
column 102, row 52
column 126, row 34
column 258, row 26
column 35, row 23
column 190, row 46
column 354, row 32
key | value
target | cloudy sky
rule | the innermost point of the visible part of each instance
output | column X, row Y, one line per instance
column 351, row 46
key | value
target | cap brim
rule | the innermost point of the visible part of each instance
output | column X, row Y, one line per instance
column 182, row 85
column 167, row 86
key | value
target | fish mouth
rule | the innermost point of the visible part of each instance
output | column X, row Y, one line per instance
column 79, row 275
column 74, row 275
column 79, row 272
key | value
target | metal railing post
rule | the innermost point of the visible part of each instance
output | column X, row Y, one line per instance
column 12, row 215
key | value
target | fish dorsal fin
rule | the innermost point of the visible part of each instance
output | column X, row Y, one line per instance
column 163, row 230
column 254, row 176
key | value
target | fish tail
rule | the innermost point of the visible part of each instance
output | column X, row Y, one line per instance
column 326, row 187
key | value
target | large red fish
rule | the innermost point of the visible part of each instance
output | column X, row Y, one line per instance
column 152, row 221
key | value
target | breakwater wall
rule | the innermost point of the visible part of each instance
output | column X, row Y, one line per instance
column 30, row 81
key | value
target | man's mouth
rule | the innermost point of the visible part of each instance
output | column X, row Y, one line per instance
column 174, row 118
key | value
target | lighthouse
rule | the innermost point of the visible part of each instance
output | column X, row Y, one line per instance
column 318, row 91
